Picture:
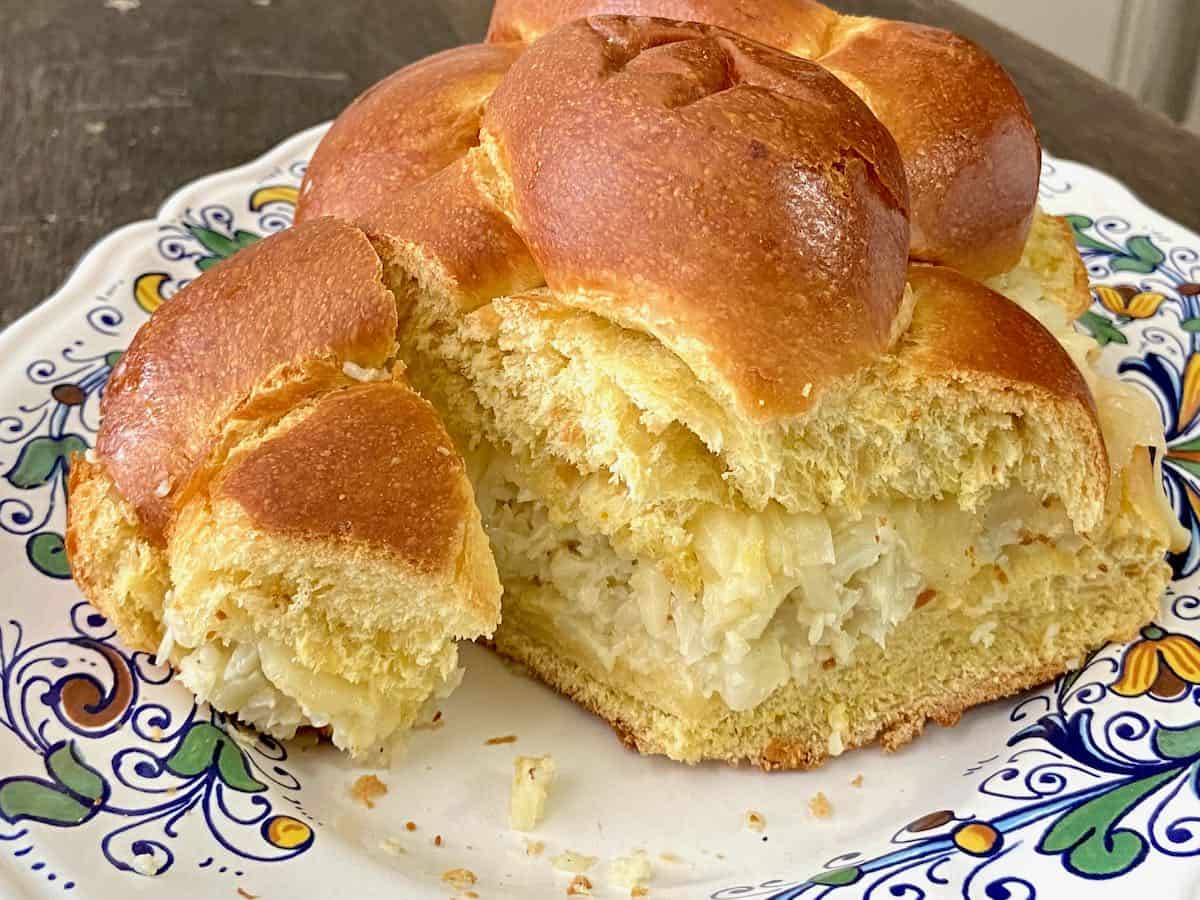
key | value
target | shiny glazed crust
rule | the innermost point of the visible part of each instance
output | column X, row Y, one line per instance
column 970, row 149
column 739, row 204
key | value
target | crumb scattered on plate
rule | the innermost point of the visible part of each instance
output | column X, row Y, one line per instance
column 503, row 739
column 573, row 861
column 534, row 848
column 671, row 858
column 856, row 780
column 639, row 890
column 366, row 789
column 820, row 807
column 532, row 777
column 459, row 878
column 755, row 821
column 392, row 845
column 242, row 892
column 410, row 826
column 630, row 871
column 579, row 886
column 437, row 840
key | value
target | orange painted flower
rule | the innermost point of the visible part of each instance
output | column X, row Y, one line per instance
column 1127, row 301
column 1160, row 664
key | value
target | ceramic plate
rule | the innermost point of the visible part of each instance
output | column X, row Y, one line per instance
column 113, row 783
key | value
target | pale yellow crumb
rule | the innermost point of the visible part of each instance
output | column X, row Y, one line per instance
column 366, row 789
column 755, row 821
column 532, row 777
column 671, row 858
column 630, row 871
column 392, row 845
column 579, row 886
column 459, row 878
column 534, row 848
column 856, row 781
column 820, row 807
column 573, row 861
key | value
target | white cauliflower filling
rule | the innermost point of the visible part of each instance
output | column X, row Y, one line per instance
column 781, row 593
column 263, row 685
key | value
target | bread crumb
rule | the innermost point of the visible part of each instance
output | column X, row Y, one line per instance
column 144, row 864
column 470, row 894
column 579, row 886
column 532, row 777
column 671, row 858
column 856, row 781
column 437, row 840
column 820, row 807
column 503, row 739
column 630, row 871
column 534, row 848
column 242, row 892
column 755, row 821
column 573, row 861
column 410, row 826
column 366, row 789
column 638, row 890
column 392, row 845
column 459, row 878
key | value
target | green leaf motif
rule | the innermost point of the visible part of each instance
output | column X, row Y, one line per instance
column 218, row 244
column 1079, row 224
column 838, row 877
column 1102, row 329
column 205, row 746
column 1088, row 835
column 40, row 458
column 48, row 554
column 207, row 262
column 1178, row 743
column 113, row 357
column 1190, row 325
column 1144, row 249
column 75, row 793
column 68, row 769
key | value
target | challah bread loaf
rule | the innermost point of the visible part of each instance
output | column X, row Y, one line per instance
column 404, row 129
column 970, row 150
column 729, row 541
column 302, row 547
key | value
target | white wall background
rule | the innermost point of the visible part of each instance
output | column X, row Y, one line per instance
column 1150, row 48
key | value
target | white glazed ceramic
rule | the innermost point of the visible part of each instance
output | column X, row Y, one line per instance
column 113, row 784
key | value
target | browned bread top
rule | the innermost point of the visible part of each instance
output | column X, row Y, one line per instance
column 369, row 465
column 970, row 149
column 310, row 292
column 739, row 203
column 402, row 130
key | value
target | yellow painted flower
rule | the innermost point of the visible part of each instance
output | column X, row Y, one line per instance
column 1129, row 302
column 1160, row 664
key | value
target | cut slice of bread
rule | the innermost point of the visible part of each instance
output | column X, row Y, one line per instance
column 314, row 550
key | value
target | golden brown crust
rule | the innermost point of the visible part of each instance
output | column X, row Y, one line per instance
column 960, row 327
column 311, row 291
column 971, row 153
column 738, row 203
column 970, row 149
column 800, row 27
column 402, row 130
column 446, row 221
column 369, row 465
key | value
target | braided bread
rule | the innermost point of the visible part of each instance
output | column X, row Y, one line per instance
column 759, row 482
column 268, row 522
column 971, row 153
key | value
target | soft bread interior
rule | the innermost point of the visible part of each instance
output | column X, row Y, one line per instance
column 295, row 629
column 653, row 542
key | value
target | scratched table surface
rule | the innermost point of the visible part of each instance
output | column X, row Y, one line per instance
column 106, row 106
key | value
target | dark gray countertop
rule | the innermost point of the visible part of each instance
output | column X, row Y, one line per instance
column 103, row 113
